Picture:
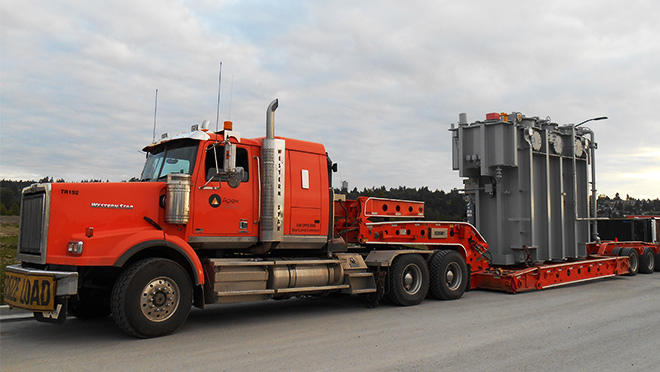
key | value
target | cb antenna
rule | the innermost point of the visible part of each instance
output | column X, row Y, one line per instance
column 217, row 115
column 231, row 94
column 155, row 111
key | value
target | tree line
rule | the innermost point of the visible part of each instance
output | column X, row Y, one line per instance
column 440, row 205
column 10, row 193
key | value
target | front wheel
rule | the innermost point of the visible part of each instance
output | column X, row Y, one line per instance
column 449, row 275
column 152, row 298
column 409, row 280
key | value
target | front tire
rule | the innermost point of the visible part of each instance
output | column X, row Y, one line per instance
column 152, row 298
column 409, row 280
column 449, row 275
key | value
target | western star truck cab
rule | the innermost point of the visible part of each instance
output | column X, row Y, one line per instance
column 216, row 218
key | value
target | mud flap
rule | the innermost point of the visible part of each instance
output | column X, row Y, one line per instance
column 57, row 316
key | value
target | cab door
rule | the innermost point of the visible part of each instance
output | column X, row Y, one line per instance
column 224, row 216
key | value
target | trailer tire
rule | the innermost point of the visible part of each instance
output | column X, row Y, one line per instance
column 449, row 275
column 633, row 260
column 616, row 251
column 647, row 261
column 408, row 279
column 152, row 298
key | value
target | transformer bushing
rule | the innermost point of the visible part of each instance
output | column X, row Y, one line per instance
column 528, row 182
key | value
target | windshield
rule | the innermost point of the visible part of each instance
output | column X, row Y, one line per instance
column 170, row 157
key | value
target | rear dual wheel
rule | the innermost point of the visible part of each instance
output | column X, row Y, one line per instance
column 647, row 261
column 409, row 280
column 633, row 260
column 449, row 275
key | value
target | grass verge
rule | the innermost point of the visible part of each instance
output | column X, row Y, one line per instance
column 8, row 244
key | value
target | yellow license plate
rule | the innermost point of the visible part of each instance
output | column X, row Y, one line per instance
column 31, row 292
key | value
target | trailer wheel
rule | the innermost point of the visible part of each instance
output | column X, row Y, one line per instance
column 633, row 260
column 448, row 273
column 409, row 280
column 647, row 261
column 152, row 298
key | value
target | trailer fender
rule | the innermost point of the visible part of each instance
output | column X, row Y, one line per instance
column 385, row 258
column 170, row 242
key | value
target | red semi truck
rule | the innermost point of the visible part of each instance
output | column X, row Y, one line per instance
column 218, row 218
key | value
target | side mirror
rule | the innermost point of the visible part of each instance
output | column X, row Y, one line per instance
column 235, row 177
column 229, row 162
column 234, row 174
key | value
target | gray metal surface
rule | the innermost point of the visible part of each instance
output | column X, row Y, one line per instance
column 528, row 180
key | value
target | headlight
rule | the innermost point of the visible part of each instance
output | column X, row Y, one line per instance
column 75, row 247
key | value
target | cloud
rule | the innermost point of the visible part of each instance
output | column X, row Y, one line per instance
column 378, row 82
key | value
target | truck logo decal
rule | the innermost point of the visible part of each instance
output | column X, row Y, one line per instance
column 215, row 200
column 112, row 206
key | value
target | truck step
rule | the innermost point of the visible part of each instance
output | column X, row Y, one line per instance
column 221, row 262
column 281, row 290
column 360, row 283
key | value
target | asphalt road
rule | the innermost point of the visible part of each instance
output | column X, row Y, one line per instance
column 606, row 325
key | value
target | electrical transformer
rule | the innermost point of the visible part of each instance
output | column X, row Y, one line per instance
column 527, row 185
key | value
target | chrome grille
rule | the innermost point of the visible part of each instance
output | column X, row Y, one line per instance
column 34, row 224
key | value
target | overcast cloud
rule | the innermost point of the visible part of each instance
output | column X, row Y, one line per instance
column 378, row 82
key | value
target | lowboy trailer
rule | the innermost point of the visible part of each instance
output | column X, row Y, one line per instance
column 218, row 218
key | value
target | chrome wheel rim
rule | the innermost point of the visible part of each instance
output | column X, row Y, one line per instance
column 159, row 299
column 453, row 276
column 634, row 262
column 412, row 279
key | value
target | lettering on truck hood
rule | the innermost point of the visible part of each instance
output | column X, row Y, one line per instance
column 112, row 206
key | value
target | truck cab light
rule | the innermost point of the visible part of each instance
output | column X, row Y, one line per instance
column 75, row 247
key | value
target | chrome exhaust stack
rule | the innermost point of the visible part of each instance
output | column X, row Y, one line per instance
column 272, row 182
column 270, row 119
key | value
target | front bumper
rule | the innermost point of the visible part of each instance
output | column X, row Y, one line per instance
column 35, row 289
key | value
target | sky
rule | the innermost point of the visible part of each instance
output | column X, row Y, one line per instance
column 377, row 82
